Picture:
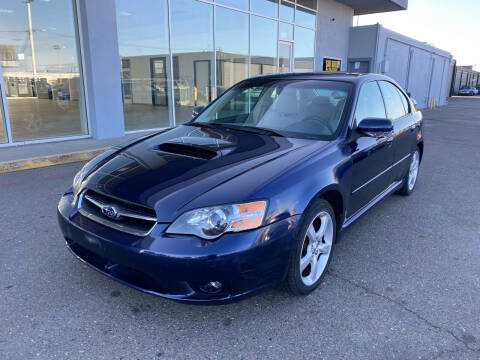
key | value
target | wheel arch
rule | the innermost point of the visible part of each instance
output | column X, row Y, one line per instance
column 335, row 198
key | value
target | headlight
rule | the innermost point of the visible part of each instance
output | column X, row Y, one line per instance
column 211, row 222
column 88, row 168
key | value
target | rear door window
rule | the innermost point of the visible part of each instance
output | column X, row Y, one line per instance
column 393, row 101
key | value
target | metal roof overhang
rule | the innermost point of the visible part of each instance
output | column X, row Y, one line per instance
column 363, row 7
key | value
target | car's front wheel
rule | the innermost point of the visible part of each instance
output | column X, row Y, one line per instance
column 411, row 177
column 312, row 251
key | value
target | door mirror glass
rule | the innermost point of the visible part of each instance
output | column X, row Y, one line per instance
column 375, row 127
column 197, row 110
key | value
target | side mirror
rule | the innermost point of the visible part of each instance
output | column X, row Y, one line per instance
column 197, row 110
column 375, row 127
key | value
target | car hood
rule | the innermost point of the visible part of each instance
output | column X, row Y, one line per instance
column 169, row 170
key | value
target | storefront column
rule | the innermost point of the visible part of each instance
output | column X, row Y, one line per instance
column 101, row 67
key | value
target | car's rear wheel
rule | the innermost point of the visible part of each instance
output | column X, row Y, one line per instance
column 411, row 177
column 312, row 251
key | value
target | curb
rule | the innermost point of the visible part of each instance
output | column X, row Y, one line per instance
column 49, row 160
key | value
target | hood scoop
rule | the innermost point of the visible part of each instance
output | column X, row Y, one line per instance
column 189, row 150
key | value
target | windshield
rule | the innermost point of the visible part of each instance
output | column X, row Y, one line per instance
column 296, row 108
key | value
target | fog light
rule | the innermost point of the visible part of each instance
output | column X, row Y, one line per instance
column 212, row 287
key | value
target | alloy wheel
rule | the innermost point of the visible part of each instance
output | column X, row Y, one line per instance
column 316, row 248
column 413, row 171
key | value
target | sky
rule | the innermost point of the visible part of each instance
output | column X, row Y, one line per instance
column 453, row 26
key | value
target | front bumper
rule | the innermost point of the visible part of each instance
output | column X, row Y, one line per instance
column 179, row 267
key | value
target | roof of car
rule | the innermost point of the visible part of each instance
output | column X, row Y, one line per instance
column 339, row 76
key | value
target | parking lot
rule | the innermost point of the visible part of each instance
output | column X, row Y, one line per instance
column 404, row 282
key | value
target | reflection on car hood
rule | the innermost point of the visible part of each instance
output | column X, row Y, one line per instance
column 170, row 169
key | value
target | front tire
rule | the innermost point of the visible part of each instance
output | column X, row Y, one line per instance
column 312, row 251
column 410, row 178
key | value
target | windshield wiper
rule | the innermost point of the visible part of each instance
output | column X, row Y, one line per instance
column 203, row 124
column 243, row 128
column 254, row 130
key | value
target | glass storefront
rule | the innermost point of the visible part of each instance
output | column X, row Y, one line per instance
column 232, row 56
column 41, row 70
column 304, row 49
column 193, row 56
column 178, row 54
column 263, row 46
column 145, row 63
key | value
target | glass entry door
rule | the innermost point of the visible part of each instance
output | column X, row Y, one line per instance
column 158, row 69
column 285, row 56
column 202, row 84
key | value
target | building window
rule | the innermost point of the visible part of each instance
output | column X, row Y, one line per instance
column 192, row 44
column 304, row 49
column 232, row 56
column 263, row 46
column 305, row 17
column 238, row 4
column 265, row 7
column 287, row 11
column 41, row 70
column 145, row 58
column 332, row 64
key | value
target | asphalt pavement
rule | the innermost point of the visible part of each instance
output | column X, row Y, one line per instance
column 404, row 282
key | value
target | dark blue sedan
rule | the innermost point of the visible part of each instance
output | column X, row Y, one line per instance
column 251, row 193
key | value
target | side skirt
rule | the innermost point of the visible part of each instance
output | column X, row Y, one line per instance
column 394, row 186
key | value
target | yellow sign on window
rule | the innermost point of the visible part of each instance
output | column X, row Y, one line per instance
column 331, row 65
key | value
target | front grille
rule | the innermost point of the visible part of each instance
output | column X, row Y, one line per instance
column 117, row 214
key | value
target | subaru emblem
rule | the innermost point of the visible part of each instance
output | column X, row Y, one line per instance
column 110, row 211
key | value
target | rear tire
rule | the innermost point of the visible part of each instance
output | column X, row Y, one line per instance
column 312, row 251
column 410, row 178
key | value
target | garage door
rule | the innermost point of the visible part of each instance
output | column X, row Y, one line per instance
column 396, row 61
column 420, row 76
column 437, row 80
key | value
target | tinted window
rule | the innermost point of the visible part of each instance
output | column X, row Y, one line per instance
column 370, row 103
column 292, row 108
column 393, row 102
